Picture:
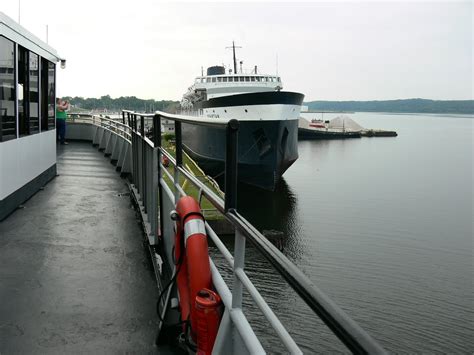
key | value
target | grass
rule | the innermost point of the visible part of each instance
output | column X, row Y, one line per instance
column 209, row 210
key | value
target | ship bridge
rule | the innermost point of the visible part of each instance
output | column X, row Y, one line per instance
column 223, row 85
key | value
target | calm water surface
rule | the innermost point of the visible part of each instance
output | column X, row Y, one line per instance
column 381, row 225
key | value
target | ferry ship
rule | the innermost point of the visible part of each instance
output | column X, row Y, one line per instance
column 268, row 123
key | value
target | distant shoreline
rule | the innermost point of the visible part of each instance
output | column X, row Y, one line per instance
column 395, row 113
column 405, row 106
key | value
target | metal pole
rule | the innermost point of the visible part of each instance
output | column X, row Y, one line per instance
column 157, row 142
column 239, row 261
column 231, row 162
column 143, row 170
column 135, row 150
column 179, row 157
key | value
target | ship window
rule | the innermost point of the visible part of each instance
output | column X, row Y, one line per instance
column 265, row 78
column 208, row 80
column 22, row 91
column 257, row 78
column 213, row 80
column 247, row 78
column 241, row 78
column 47, row 95
column 33, row 82
column 51, row 95
column 224, row 79
column 7, row 90
column 278, row 79
column 219, row 79
column 231, row 79
column 252, row 78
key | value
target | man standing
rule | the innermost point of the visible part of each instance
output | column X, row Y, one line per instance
column 61, row 115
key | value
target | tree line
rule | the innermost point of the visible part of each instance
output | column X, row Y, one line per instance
column 396, row 106
column 121, row 103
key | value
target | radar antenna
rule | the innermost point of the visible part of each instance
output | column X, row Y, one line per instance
column 235, row 60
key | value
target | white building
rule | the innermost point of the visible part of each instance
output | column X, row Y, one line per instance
column 27, row 114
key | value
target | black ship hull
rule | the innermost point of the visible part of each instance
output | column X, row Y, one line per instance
column 266, row 149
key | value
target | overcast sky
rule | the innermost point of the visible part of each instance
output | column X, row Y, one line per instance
column 328, row 51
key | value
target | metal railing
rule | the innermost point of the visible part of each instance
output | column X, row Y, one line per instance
column 116, row 126
column 151, row 188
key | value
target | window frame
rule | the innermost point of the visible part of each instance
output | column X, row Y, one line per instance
column 15, row 96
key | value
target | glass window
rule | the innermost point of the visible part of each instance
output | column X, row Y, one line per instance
column 231, row 78
column 219, row 79
column 213, row 80
column 47, row 95
column 51, row 95
column 224, row 79
column 247, row 78
column 279, row 79
column 241, row 78
column 252, row 78
column 22, row 91
column 257, row 78
column 7, row 90
column 33, row 94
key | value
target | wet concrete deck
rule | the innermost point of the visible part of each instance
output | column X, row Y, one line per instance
column 74, row 274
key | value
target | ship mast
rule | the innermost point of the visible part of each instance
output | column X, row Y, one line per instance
column 235, row 60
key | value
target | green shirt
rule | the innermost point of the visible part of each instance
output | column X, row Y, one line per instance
column 61, row 115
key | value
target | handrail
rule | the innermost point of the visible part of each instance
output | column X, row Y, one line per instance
column 351, row 334
column 107, row 123
column 348, row 331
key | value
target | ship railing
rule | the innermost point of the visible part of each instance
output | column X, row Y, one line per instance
column 156, row 200
column 117, row 126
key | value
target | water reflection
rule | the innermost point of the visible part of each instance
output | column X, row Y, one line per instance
column 274, row 213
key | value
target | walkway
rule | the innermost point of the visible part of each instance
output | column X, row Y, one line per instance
column 74, row 274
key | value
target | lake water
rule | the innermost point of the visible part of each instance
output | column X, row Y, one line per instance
column 384, row 227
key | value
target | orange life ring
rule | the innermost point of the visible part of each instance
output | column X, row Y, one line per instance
column 191, row 251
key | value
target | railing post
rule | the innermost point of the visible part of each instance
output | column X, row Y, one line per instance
column 143, row 161
column 123, row 117
column 135, row 150
column 138, row 157
column 237, row 288
column 157, row 210
column 179, row 157
column 231, row 161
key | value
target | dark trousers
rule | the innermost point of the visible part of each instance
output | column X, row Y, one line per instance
column 61, row 129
